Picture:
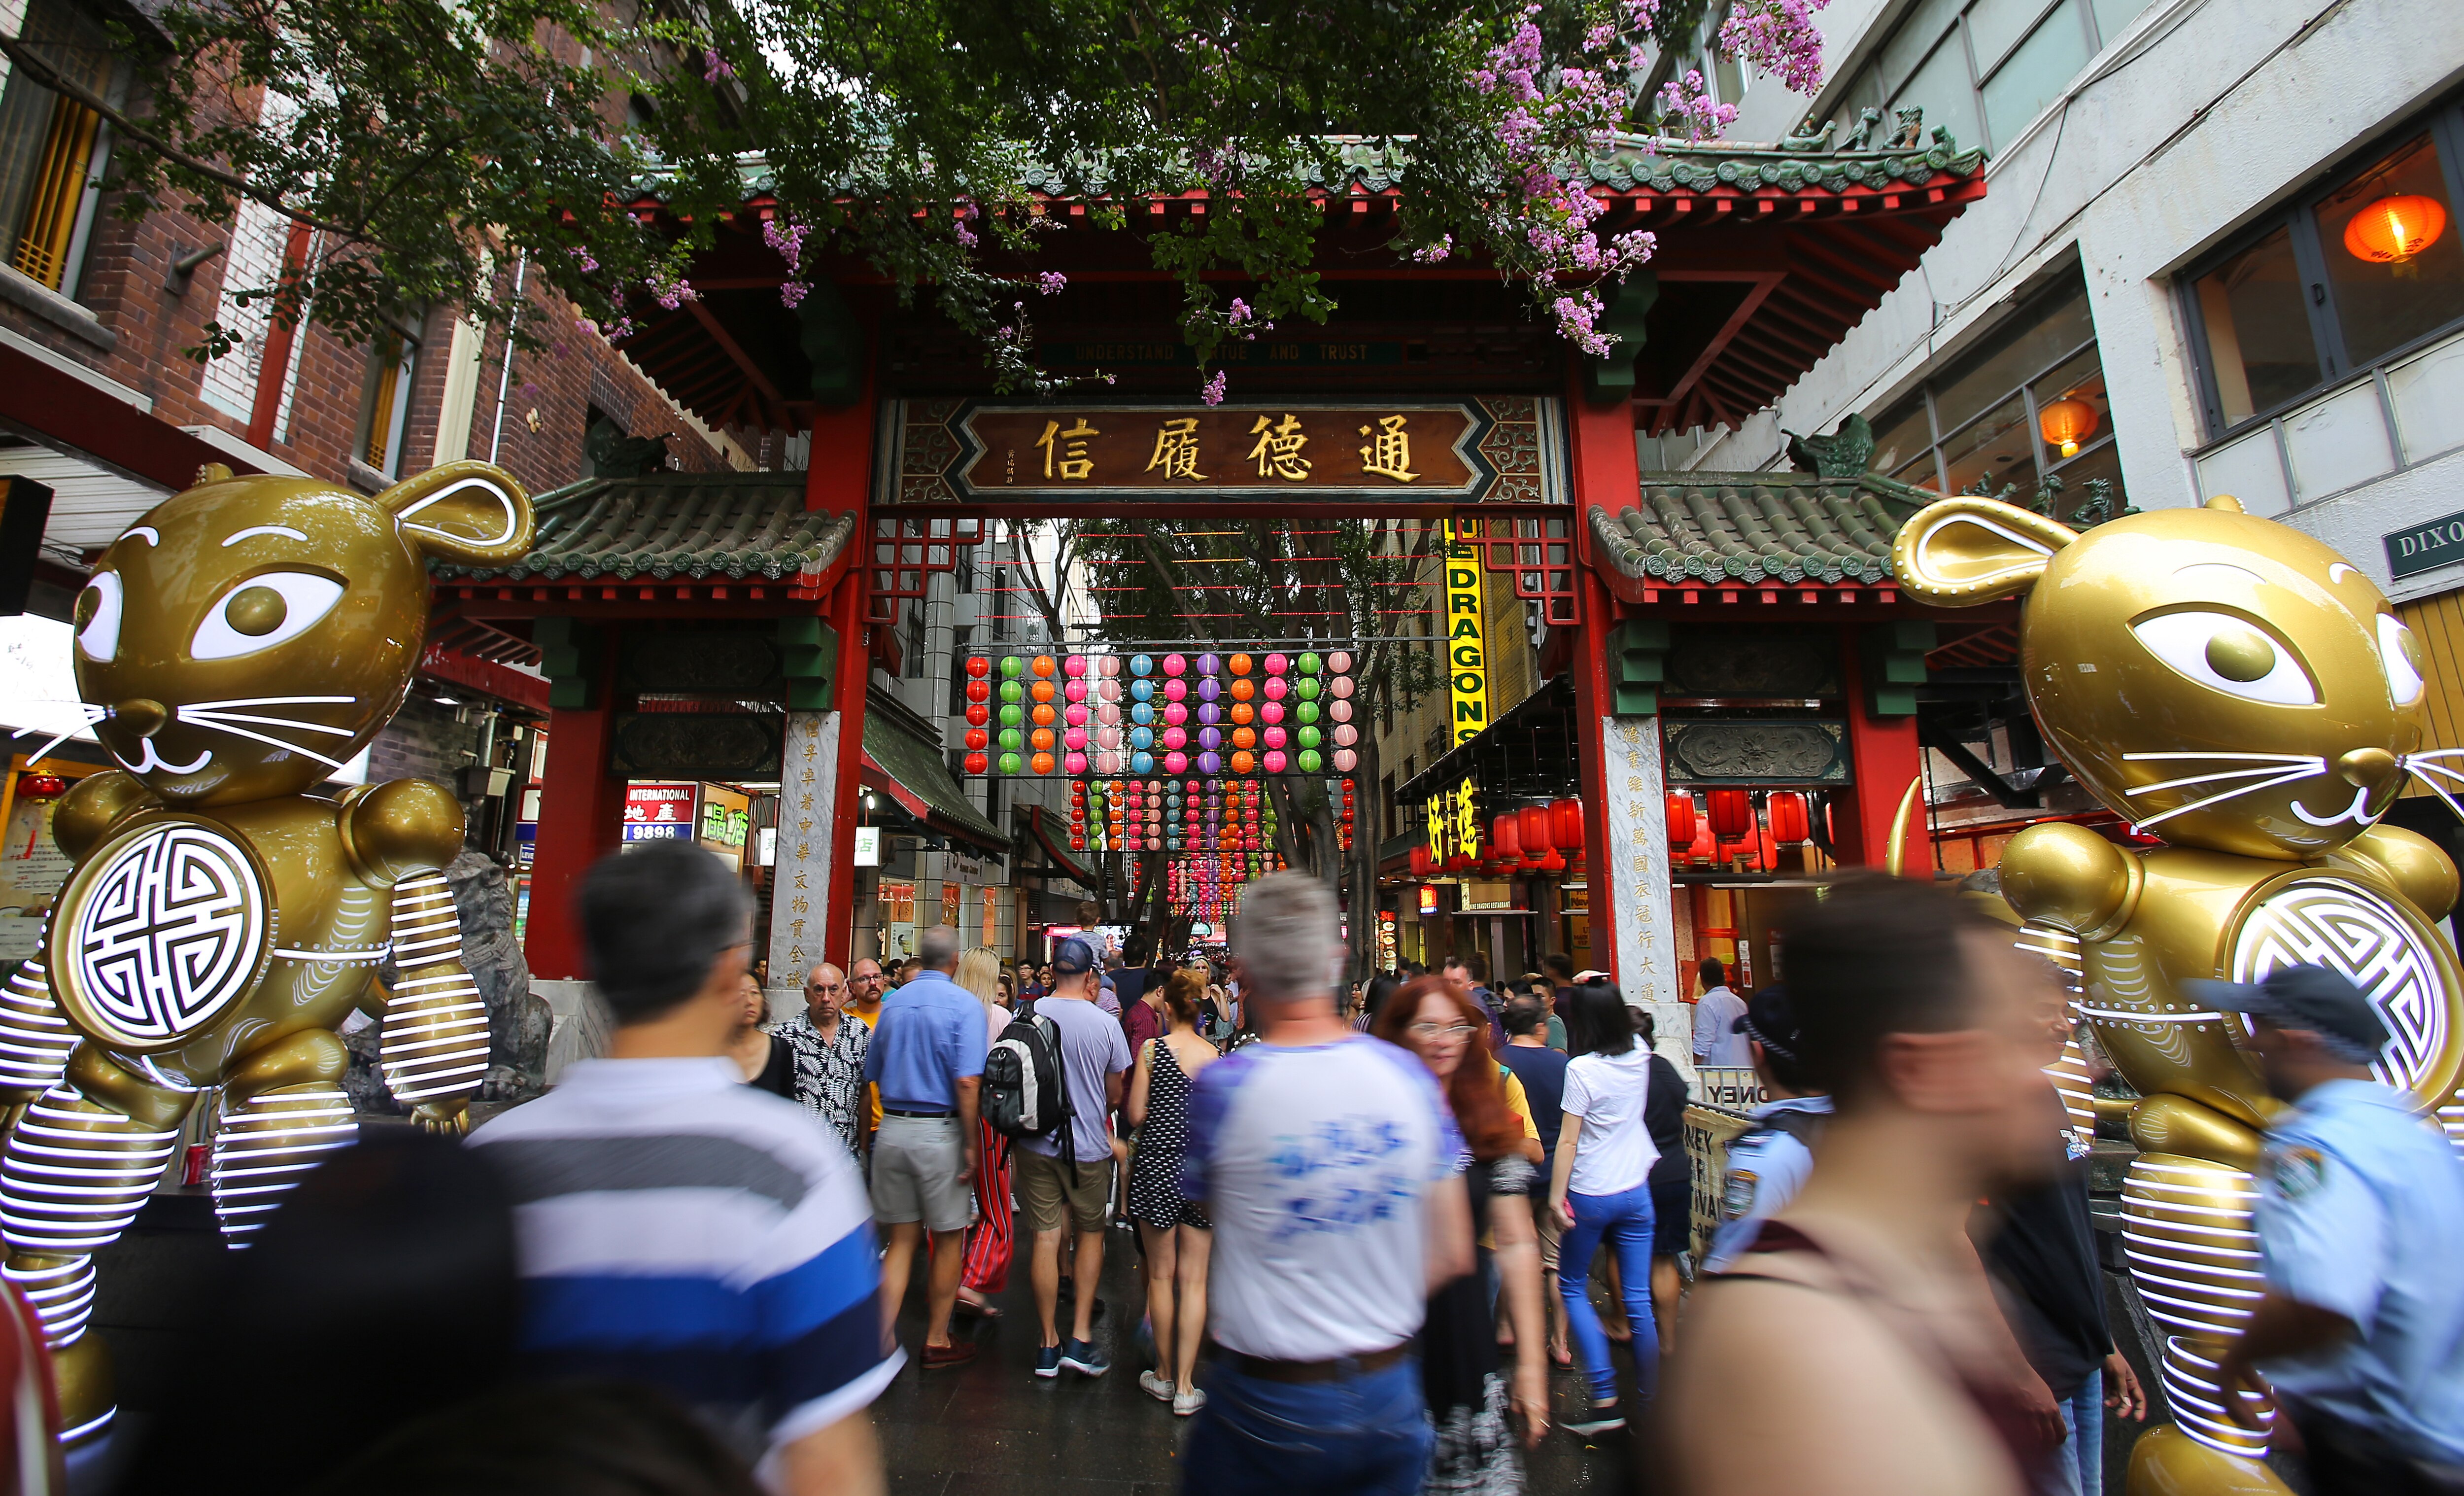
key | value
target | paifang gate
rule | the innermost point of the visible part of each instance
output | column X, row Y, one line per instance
column 1698, row 631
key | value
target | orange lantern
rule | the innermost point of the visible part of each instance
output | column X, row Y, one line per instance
column 2065, row 422
column 2393, row 230
column 1790, row 823
column 1680, row 820
column 1040, row 763
column 1732, row 814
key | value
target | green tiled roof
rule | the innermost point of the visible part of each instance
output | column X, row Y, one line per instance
column 693, row 526
column 1640, row 163
column 1756, row 527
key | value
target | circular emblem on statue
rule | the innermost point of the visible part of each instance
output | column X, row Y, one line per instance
column 2320, row 919
column 169, row 924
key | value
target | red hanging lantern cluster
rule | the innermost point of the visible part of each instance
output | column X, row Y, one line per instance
column 1343, row 828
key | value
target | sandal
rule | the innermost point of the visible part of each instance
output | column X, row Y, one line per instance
column 978, row 1308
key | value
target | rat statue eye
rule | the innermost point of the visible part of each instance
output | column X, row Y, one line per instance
column 97, row 616
column 264, row 611
column 2401, row 654
column 2225, row 654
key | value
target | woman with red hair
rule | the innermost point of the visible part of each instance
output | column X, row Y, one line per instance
column 1466, row 1392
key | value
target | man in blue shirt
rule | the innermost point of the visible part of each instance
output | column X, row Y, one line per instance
column 928, row 1057
column 679, row 1227
column 2360, row 1208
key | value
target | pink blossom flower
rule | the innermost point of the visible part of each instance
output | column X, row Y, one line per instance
column 1211, row 391
column 1050, row 282
column 719, row 68
column 791, row 294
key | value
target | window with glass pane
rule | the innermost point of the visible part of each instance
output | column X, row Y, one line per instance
column 1941, row 89
column 2260, row 349
column 2026, row 406
column 392, row 364
column 2395, row 252
column 2036, row 73
column 48, row 142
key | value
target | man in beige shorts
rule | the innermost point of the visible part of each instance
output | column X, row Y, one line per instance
column 1064, row 1178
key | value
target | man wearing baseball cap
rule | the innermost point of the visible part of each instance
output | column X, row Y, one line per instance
column 1063, row 1180
column 1768, row 1162
column 2361, row 1205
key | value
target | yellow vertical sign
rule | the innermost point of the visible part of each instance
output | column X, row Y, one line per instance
column 1467, row 624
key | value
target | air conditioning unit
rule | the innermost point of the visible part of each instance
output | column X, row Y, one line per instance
column 479, row 781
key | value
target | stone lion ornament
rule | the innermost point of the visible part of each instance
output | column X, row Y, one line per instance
column 234, row 648
column 2234, row 688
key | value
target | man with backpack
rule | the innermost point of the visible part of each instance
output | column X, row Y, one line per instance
column 1064, row 1046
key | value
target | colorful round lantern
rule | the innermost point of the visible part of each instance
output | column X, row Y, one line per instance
column 1345, row 760
column 1040, row 763
column 2393, row 230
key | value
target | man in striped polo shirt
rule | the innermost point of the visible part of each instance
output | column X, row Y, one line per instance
column 680, row 1228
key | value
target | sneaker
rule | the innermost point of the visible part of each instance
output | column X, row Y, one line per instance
column 1156, row 1387
column 1047, row 1361
column 1599, row 1421
column 1085, row 1358
column 1188, row 1400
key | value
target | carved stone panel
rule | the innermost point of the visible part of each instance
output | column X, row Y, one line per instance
column 696, row 746
column 710, row 661
column 1728, row 751
column 1731, row 662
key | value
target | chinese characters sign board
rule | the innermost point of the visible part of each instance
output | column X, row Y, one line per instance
column 659, row 812
column 1493, row 449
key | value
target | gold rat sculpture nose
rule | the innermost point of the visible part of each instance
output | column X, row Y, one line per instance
column 140, row 716
column 2369, row 768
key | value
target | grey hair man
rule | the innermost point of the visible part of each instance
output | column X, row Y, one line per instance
column 1318, row 1308
column 830, row 1046
column 928, row 1058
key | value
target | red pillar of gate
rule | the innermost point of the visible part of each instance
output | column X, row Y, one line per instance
column 581, row 815
column 840, row 479
column 1606, row 473
column 1885, row 757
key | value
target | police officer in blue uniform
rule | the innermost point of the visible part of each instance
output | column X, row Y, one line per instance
column 1768, row 1162
column 2360, row 1229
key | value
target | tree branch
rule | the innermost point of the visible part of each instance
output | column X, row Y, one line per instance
column 50, row 77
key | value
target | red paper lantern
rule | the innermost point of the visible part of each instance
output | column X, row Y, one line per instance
column 1565, row 828
column 1534, row 821
column 1505, row 838
column 1422, row 862
column 1680, row 820
column 1732, row 814
column 1790, row 823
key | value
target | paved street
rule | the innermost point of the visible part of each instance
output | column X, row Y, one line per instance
column 993, row 1427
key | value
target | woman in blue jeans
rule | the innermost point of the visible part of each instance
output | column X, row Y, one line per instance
column 1601, row 1191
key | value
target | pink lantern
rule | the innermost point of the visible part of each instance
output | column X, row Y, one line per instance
column 1075, row 763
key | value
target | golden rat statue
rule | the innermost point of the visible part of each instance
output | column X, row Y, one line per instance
column 2235, row 688
column 236, row 648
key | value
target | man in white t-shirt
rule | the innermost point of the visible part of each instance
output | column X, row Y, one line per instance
column 1325, row 1158
column 1716, row 1041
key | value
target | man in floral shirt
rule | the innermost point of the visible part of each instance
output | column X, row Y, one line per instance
column 829, row 1049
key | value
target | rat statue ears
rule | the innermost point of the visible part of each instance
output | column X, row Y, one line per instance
column 1959, row 552
column 467, row 512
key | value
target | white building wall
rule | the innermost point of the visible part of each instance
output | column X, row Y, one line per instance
column 2200, row 117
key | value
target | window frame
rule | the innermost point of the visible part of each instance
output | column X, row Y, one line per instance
column 1865, row 82
column 2298, row 214
column 404, row 366
column 2028, row 314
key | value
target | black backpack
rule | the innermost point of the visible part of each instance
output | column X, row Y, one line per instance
column 1024, row 1091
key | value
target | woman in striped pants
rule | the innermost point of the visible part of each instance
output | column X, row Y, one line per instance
column 988, row 1245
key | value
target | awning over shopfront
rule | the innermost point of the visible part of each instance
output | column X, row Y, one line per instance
column 1053, row 848
column 1527, row 754
column 902, row 762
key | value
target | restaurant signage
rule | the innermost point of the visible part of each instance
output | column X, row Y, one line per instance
column 2425, row 547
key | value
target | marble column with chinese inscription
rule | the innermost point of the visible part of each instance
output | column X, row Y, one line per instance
column 803, row 898
column 1631, row 880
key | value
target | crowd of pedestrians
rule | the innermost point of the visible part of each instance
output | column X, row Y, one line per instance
column 1369, row 1221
